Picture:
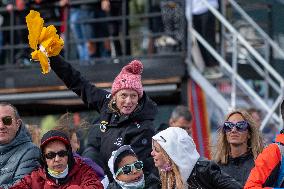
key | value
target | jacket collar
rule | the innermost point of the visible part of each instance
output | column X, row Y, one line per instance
column 22, row 136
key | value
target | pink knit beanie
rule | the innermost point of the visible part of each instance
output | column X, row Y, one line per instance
column 129, row 78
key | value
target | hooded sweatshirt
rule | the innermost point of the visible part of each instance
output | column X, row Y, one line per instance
column 17, row 158
column 111, row 162
column 180, row 148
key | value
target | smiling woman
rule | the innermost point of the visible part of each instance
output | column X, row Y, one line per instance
column 59, row 168
column 180, row 166
column 126, row 113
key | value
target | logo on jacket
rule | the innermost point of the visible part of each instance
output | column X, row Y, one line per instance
column 137, row 125
column 118, row 141
column 103, row 125
column 108, row 95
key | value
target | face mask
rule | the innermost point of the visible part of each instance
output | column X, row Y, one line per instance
column 58, row 174
column 132, row 185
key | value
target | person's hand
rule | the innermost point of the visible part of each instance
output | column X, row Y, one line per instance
column 63, row 3
column 20, row 4
column 9, row 7
column 105, row 5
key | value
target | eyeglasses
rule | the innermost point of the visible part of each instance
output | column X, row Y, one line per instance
column 127, row 169
column 241, row 126
column 51, row 155
column 7, row 120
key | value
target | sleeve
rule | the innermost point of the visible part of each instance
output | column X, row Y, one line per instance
column 91, row 95
column 92, row 149
column 24, row 183
column 89, row 178
column 27, row 164
column 220, row 179
column 265, row 164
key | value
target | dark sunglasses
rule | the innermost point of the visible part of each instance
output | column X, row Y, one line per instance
column 241, row 126
column 127, row 169
column 51, row 155
column 7, row 120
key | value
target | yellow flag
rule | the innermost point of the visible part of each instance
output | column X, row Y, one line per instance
column 43, row 40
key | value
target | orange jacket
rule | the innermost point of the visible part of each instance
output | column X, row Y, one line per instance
column 267, row 167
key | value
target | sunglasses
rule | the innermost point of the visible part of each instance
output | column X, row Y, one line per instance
column 7, row 120
column 127, row 169
column 241, row 126
column 51, row 155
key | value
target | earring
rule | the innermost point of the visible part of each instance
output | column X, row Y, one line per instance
column 166, row 167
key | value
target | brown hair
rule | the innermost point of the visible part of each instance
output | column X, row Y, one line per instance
column 35, row 132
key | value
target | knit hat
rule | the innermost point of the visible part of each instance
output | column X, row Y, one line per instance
column 54, row 135
column 129, row 78
column 180, row 147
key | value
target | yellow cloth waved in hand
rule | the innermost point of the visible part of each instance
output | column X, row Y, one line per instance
column 43, row 40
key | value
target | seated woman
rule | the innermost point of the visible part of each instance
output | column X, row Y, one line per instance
column 59, row 169
column 180, row 165
column 127, row 171
column 65, row 125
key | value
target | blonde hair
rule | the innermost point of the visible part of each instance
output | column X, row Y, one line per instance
column 255, row 142
column 172, row 178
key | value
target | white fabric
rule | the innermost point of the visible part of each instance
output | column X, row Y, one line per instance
column 180, row 148
column 198, row 7
column 63, row 174
column 132, row 185
column 105, row 182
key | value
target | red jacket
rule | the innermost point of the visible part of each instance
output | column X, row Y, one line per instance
column 267, row 166
column 81, row 177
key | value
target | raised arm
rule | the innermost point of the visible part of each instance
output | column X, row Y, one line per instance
column 91, row 95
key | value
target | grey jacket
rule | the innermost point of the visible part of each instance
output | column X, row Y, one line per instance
column 18, row 158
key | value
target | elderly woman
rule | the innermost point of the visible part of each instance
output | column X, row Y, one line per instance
column 180, row 165
column 238, row 144
column 59, row 169
column 126, row 113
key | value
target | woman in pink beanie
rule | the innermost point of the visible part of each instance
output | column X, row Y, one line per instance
column 126, row 114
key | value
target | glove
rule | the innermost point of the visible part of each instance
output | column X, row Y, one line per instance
column 43, row 40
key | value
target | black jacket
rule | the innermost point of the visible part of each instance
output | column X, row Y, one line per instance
column 239, row 168
column 136, row 129
column 208, row 175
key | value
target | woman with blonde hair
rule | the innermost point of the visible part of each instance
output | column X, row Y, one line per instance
column 238, row 144
column 180, row 165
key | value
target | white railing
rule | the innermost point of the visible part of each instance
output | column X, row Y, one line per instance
column 274, row 80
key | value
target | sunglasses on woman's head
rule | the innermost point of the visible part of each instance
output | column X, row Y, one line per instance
column 7, row 120
column 127, row 169
column 241, row 126
column 51, row 155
